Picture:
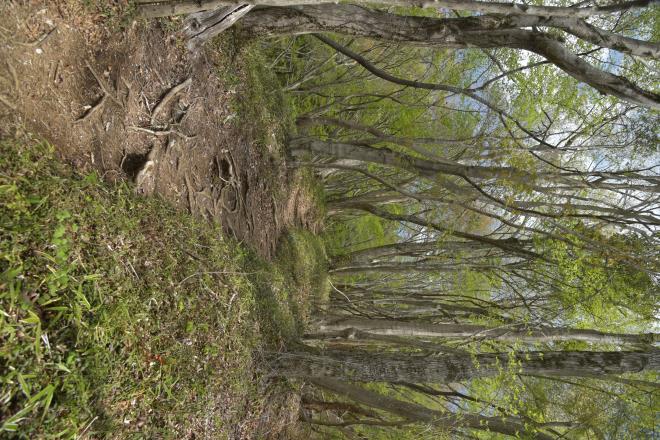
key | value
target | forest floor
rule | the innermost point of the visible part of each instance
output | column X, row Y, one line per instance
column 105, row 89
column 145, row 317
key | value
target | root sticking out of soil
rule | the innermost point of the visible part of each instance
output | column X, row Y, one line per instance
column 135, row 104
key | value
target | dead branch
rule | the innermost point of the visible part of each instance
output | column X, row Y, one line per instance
column 92, row 110
column 14, row 76
column 7, row 102
column 161, row 132
column 168, row 97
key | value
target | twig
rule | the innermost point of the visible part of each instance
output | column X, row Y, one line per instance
column 36, row 42
column 89, row 425
column 160, row 132
column 342, row 293
column 102, row 84
column 12, row 71
column 7, row 102
column 92, row 110
column 41, row 39
column 167, row 98
column 56, row 71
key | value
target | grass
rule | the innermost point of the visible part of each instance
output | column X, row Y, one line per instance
column 296, row 285
column 260, row 105
column 122, row 317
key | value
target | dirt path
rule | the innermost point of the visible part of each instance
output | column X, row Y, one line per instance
column 134, row 104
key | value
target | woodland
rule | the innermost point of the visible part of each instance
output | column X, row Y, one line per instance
column 489, row 176
column 491, row 179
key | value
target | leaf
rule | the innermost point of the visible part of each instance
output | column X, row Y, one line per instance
column 32, row 319
column 24, row 385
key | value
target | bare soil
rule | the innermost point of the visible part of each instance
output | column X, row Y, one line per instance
column 129, row 101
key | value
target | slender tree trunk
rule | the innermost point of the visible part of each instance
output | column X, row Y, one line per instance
column 518, row 333
column 422, row 167
column 419, row 413
column 446, row 368
column 412, row 249
column 417, row 266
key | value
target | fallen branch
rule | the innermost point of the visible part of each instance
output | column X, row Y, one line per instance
column 92, row 110
column 168, row 97
column 41, row 39
column 7, row 102
column 14, row 76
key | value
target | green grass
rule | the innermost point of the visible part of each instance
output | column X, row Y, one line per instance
column 296, row 284
column 123, row 317
column 260, row 105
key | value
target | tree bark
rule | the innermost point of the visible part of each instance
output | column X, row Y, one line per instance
column 517, row 333
column 164, row 8
column 412, row 249
column 419, row 413
column 422, row 167
column 446, row 368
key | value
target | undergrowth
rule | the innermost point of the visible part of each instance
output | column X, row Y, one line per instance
column 122, row 317
column 259, row 104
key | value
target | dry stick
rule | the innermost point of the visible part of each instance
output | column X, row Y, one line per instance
column 102, row 84
column 7, row 102
column 160, row 132
column 12, row 71
column 39, row 40
column 168, row 97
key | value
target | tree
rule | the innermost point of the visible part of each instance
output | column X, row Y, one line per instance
column 493, row 223
column 446, row 368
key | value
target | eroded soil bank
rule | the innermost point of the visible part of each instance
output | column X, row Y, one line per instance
column 124, row 97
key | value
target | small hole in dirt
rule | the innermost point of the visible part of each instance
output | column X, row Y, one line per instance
column 215, row 169
column 224, row 169
column 133, row 163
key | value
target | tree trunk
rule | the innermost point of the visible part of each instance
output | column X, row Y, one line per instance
column 422, row 167
column 446, row 368
column 411, row 249
column 164, row 8
column 416, row 266
column 529, row 334
column 419, row 413
column 486, row 31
